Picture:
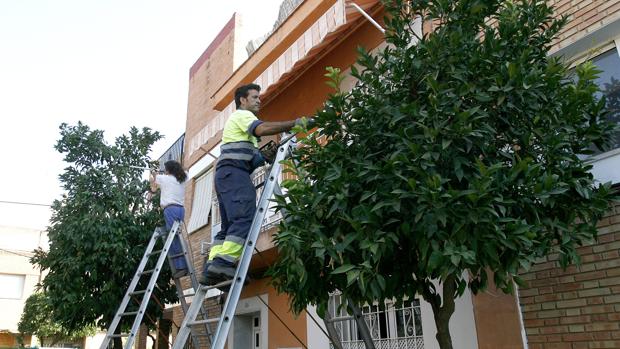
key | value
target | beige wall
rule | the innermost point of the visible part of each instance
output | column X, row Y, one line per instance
column 16, row 246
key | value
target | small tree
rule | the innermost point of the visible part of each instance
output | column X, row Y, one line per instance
column 451, row 158
column 100, row 228
column 37, row 319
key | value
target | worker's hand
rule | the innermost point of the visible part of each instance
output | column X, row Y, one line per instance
column 269, row 151
column 306, row 122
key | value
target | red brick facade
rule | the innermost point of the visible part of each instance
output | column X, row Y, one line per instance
column 584, row 17
column 578, row 307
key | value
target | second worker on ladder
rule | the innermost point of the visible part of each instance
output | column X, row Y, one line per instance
column 235, row 191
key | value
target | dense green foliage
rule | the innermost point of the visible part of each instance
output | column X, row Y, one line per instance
column 100, row 227
column 456, row 155
column 37, row 319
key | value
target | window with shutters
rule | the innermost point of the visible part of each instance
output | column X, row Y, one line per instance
column 201, row 203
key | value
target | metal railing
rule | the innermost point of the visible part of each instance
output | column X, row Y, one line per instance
column 390, row 326
column 272, row 218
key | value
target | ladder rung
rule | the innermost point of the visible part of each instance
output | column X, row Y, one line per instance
column 150, row 271
column 201, row 322
column 177, row 255
column 155, row 252
column 129, row 313
column 119, row 335
column 221, row 284
column 189, row 295
column 137, row 293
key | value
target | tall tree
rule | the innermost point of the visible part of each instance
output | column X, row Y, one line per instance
column 100, row 227
column 37, row 319
column 453, row 160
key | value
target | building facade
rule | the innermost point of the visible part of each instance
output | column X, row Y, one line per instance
column 580, row 307
column 290, row 66
column 18, row 278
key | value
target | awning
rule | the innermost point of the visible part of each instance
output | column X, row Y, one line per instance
column 330, row 23
column 308, row 46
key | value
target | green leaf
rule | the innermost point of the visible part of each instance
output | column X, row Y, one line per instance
column 435, row 260
column 352, row 276
column 343, row 269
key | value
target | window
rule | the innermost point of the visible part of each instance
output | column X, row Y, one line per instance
column 216, row 222
column 12, row 286
column 609, row 83
column 201, row 203
column 390, row 325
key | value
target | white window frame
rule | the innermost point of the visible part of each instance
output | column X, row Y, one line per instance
column 587, row 48
column 12, row 286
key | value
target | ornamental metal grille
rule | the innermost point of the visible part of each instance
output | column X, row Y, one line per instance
column 272, row 218
column 391, row 325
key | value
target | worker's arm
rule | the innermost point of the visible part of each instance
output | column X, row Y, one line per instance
column 153, row 181
column 269, row 128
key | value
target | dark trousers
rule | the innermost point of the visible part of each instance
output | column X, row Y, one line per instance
column 237, row 202
column 175, row 213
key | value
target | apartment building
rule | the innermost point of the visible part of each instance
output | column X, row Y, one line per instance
column 289, row 65
column 18, row 278
column 580, row 307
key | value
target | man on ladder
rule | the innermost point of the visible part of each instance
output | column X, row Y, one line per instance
column 235, row 191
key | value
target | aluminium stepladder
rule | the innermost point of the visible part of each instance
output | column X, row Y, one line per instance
column 236, row 284
column 224, row 321
column 146, row 293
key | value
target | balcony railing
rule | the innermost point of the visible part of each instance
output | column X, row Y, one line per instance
column 390, row 326
column 272, row 218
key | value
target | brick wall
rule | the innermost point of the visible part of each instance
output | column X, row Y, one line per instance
column 578, row 307
column 213, row 308
column 584, row 17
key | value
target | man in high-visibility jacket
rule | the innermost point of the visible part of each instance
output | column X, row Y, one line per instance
column 236, row 194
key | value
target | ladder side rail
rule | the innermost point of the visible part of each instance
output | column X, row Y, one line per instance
column 130, row 289
column 192, row 312
column 230, row 306
column 331, row 330
column 361, row 325
column 185, row 307
column 194, row 282
column 151, row 285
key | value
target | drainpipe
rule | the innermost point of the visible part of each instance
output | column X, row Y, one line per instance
column 359, row 9
column 521, row 323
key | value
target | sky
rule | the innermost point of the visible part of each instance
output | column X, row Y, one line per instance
column 111, row 64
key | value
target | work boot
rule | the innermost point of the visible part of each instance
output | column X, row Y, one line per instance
column 218, row 273
column 202, row 278
column 179, row 273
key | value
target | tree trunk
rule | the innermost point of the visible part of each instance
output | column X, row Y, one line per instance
column 163, row 333
column 443, row 308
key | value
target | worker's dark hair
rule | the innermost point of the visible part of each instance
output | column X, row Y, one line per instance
column 175, row 169
column 242, row 91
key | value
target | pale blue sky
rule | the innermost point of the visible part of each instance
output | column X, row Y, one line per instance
column 109, row 63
